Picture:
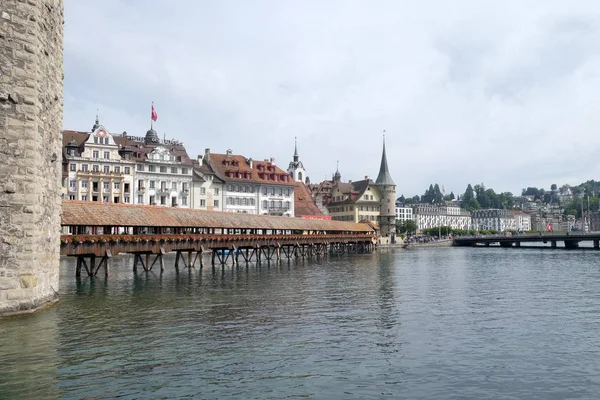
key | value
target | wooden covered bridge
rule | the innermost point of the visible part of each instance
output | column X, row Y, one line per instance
column 94, row 232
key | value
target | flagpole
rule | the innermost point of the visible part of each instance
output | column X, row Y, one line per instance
column 151, row 122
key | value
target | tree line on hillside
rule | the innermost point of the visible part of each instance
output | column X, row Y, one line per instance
column 585, row 195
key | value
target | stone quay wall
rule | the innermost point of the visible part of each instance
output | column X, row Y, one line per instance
column 31, row 104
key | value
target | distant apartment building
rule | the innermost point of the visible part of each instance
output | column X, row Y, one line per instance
column 429, row 216
column 494, row 219
column 207, row 188
column 403, row 213
column 355, row 201
column 522, row 220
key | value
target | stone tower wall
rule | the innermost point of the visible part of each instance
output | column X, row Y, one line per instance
column 387, row 211
column 31, row 103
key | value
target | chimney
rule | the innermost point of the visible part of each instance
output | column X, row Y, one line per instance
column 249, row 161
column 272, row 160
column 366, row 177
column 207, row 155
column 229, row 152
column 200, row 157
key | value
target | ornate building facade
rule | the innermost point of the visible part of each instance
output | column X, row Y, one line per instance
column 96, row 167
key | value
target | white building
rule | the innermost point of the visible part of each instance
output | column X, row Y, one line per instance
column 494, row 219
column 207, row 188
column 429, row 216
column 522, row 221
column 163, row 173
column 403, row 213
column 96, row 167
column 252, row 187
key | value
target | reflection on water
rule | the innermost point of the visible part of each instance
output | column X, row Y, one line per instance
column 439, row 323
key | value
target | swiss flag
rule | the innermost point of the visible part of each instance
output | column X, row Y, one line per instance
column 154, row 115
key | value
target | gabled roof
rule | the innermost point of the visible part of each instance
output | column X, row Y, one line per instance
column 353, row 190
column 225, row 165
column 304, row 204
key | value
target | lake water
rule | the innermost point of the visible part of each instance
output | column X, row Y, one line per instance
column 446, row 323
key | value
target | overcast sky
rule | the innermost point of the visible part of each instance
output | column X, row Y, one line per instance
column 505, row 93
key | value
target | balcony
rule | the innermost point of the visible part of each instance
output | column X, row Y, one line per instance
column 141, row 189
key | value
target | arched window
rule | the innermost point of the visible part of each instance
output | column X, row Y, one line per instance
column 300, row 176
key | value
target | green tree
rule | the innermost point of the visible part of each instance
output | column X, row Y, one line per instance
column 469, row 202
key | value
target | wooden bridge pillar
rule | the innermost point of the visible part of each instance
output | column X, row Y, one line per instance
column 553, row 244
column 596, row 244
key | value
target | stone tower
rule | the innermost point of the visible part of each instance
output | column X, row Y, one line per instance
column 387, row 210
column 296, row 169
column 31, row 104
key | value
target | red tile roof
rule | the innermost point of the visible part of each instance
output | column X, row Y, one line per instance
column 304, row 204
column 236, row 168
column 87, row 213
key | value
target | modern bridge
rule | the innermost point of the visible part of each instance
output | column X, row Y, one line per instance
column 94, row 232
column 569, row 240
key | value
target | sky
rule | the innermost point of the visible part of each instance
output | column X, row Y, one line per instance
column 501, row 93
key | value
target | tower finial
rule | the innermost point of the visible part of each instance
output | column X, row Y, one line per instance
column 384, row 177
column 97, row 122
column 295, row 149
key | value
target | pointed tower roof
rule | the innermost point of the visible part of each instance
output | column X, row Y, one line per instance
column 384, row 177
column 296, row 149
column 337, row 177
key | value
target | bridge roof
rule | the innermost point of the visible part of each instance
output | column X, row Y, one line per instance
column 87, row 213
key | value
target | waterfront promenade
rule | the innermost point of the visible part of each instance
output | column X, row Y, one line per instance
column 568, row 240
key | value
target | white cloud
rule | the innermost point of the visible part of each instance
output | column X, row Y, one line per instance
column 502, row 93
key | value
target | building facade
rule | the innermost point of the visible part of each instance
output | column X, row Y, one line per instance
column 355, row 201
column 207, row 188
column 403, row 213
column 96, row 168
column 494, row 219
column 163, row 173
column 252, row 187
column 429, row 216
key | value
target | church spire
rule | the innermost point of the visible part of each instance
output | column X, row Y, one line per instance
column 295, row 149
column 384, row 177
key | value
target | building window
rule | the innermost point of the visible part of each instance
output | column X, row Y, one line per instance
column 152, row 200
column 71, row 197
column 163, row 186
column 105, row 186
column 140, row 167
column 95, row 168
column 184, row 171
column 140, row 199
column 84, row 184
column 117, row 170
column 216, row 203
column 265, row 191
column 264, row 204
column 105, row 199
column 202, row 203
column 174, row 185
column 152, row 185
column 163, row 200
column 73, row 184
column 117, row 185
column 127, row 170
column 106, row 155
column 202, row 190
column 95, row 154
column 163, row 169
column 173, row 170
column 151, row 168
column 126, row 199
column 184, row 201
column 84, row 197
column 95, row 140
column 73, row 167
column 106, row 169
column 216, row 191
column 84, row 167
